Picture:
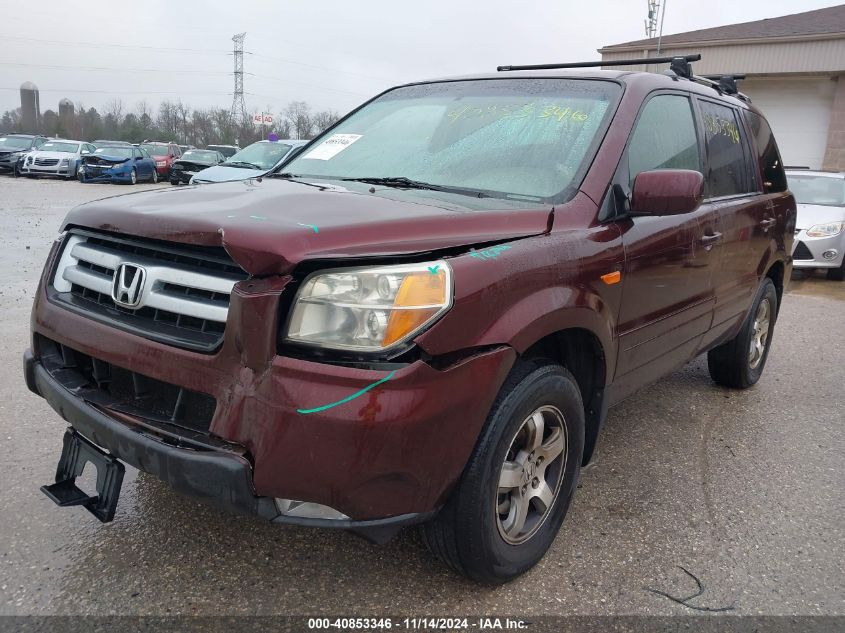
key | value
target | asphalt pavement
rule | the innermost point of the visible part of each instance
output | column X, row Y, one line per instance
column 745, row 490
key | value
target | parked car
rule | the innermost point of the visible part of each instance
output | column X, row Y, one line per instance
column 164, row 154
column 185, row 148
column 251, row 162
column 13, row 148
column 426, row 315
column 56, row 157
column 118, row 163
column 227, row 150
column 820, row 228
column 192, row 162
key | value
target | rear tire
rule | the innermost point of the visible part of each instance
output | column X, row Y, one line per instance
column 154, row 177
column 507, row 508
column 739, row 363
column 133, row 177
column 837, row 274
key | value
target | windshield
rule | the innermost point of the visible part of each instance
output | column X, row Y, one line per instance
column 820, row 190
column 506, row 137
column 261, row 155
column 199, row 154
column 53, row 146
column 15, row 142
column 226, row 150
column 114, row 152
column 155, row 150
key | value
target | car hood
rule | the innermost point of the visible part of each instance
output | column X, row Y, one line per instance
column 219, row 173
column 194, row 161
column 106, row 158
column 810, row 214
column 53, row 154
column 269, row 225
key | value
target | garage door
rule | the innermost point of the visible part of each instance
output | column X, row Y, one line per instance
column 799, row 112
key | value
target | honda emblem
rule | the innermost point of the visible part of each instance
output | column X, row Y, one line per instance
column 128, row 285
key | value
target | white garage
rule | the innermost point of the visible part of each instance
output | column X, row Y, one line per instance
column 799, row 111
column 795, row 73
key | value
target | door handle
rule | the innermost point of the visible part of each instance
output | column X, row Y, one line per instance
column 709, row 240
column 767, row 223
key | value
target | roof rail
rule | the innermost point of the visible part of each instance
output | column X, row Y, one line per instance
column 679, row 65
column 723, row 84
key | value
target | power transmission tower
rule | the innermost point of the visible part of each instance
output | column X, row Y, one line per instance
column 238, row 105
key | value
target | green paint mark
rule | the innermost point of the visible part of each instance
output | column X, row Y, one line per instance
column 310, row 226
column 433, row 269
column 489, row 253
column 348, row 398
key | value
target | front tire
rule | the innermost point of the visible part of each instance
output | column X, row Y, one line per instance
column 837, row 274
column 508, row 506
column 739, row 363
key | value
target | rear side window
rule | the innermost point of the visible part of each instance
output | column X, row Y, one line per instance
column 664, row 137
column 774, row 179
column 728, row 173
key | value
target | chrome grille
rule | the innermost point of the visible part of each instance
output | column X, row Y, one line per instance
column 46, row 162
column 183, row 300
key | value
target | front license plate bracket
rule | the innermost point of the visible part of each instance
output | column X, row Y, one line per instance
column 76, row 453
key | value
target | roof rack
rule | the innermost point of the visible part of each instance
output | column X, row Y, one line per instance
column 679, row 66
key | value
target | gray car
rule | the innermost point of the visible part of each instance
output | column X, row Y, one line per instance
column 56, row 157
column 253, row 161
column 13, row 147
column 820, row 227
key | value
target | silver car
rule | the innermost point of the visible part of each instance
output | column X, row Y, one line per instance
column 820, row 227
column 56, row 157
column 253, row 161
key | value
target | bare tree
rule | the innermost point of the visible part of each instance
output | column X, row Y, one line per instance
column 114, row 109
column 324, row 120
column 299, row 115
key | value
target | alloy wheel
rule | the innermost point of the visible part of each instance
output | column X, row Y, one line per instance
column 531, row 475
column 759, row 334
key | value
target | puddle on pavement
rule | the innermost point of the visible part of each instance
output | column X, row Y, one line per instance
column 815, row 284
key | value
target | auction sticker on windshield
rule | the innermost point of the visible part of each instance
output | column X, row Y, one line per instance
column 332, row 146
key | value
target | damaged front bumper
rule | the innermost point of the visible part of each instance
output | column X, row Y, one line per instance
column 375, row 447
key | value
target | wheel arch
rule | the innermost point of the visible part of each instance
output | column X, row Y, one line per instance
column 776, row 272
column 579, row 350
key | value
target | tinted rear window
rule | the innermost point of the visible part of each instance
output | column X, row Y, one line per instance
column 774, row 178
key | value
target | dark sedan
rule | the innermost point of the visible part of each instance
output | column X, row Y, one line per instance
column 192, row 161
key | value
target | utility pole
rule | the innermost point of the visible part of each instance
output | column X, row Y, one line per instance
column 238, row 105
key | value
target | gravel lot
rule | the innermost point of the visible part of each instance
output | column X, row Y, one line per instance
column 743, row 489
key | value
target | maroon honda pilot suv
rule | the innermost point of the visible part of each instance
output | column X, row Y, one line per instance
column 423, row 317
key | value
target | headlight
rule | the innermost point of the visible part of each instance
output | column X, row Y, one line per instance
column 829, row 229
column 63, row 161
column 369, row 309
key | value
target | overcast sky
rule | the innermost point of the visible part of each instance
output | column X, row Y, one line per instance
column 331, row 53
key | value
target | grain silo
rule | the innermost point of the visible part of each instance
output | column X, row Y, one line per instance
column 30, row 107
column 66, row 116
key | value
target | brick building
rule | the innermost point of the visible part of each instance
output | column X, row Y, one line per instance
column 795, row 73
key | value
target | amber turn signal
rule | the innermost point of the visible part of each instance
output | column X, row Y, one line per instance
column 612, row 278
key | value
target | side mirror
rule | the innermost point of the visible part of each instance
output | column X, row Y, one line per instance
column 667, row 192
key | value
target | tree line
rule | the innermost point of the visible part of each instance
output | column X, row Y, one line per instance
column 171, row 121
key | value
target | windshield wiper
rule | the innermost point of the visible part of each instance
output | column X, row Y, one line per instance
column 401, row 182
column 242, row 164
column 286, row 174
